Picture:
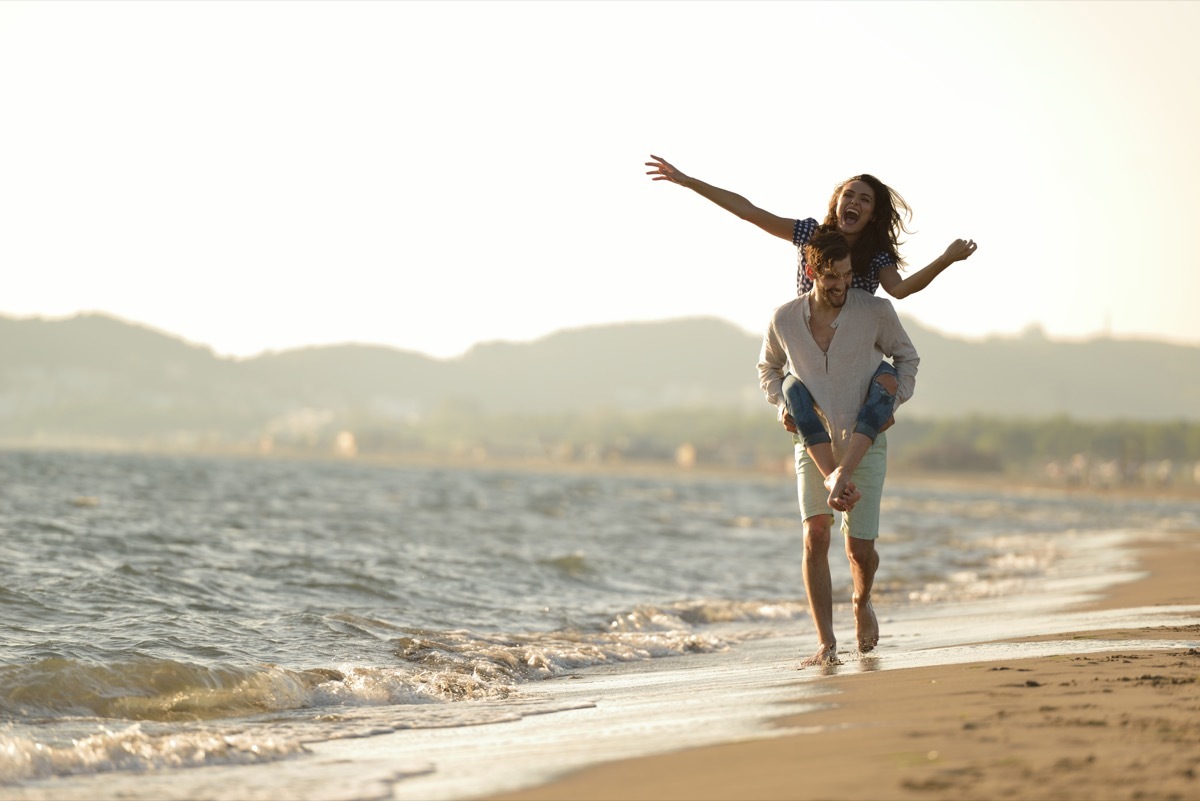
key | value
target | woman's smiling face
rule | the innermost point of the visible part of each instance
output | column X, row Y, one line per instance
column 855, row 207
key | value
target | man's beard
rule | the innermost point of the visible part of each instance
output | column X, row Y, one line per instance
column 834, row 302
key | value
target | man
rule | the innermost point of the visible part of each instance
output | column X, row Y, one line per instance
column 832, row 338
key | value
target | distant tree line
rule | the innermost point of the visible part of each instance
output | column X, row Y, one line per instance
column 1024, row 442
column 734, row 439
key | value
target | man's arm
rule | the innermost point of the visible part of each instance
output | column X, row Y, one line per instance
column 772, row 363
column 894, row 341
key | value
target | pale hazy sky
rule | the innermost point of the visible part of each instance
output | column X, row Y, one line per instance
column 428, row 175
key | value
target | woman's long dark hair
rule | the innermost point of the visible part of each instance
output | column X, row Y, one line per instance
column 882, row 234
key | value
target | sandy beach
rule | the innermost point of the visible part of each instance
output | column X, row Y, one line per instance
column 1119, row 724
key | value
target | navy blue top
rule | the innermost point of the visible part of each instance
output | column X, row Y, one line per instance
column 802, row 232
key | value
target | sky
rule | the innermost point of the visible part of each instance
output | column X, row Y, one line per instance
column 262, row 176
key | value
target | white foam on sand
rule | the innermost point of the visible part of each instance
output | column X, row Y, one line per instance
column 689, row 702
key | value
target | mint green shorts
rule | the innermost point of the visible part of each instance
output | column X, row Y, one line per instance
column 861, row 522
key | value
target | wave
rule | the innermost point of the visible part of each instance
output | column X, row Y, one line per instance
column 132, row 748
column 151, row 689
column 431, row 666
column 72, row 716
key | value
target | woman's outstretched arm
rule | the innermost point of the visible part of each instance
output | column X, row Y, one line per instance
column 897, row 287
column 730, row 201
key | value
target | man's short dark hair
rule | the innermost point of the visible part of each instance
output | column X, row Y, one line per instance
column 826, row 247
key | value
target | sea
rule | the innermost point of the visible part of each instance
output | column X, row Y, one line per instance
column 178, row 623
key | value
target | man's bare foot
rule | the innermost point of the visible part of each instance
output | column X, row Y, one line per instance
column 825, row 655
column 843, row 493
column 866, row 625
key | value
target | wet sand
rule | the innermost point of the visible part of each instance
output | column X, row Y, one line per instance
column 1110, row 724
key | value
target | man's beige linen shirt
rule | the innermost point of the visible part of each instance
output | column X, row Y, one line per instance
column 866, row 330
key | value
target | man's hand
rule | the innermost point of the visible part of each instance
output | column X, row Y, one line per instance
column 843, row 493
column 789, row 423
column 891, row 421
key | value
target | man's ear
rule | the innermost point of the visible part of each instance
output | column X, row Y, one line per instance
column 809, row 272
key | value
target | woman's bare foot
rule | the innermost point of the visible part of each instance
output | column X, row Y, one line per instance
column 850, row 497
column 866, row 625
column 825, row 655
column 843, row 494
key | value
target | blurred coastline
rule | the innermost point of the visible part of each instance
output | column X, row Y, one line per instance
column 669, row 395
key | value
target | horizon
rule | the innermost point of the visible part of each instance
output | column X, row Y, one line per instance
column 397, row 174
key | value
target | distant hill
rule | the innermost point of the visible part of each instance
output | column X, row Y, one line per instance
column 94, row 376
column 1031, row 376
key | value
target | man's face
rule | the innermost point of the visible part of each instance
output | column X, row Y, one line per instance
column 831, row 285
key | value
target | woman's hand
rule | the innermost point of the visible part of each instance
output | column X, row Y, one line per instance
column 959, row 249
column 730, row 201
column 664, row 171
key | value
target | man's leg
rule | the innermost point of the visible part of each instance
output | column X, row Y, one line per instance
column 864, row 562
column 860, row 527
column 819, row 586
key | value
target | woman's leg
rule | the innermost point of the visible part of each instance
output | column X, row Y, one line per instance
column 874, row 416
column 803, row 409
column 877, row 409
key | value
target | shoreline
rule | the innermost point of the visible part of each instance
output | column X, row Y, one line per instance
column 1109, row 724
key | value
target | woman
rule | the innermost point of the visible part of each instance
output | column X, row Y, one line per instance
column 871, row 216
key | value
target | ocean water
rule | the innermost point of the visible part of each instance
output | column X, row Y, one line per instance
column 160, row 615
